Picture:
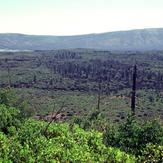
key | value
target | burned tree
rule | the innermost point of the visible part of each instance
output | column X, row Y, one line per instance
column 34, row 79
column 133, row 90
column 99, row 96
column 52, row 76
column 8, row 72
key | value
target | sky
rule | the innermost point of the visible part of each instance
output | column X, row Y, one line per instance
column 75, row 17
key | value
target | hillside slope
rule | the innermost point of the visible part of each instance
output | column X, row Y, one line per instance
column 144, row 39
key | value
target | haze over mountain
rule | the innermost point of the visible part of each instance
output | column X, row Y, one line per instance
column 142, row 39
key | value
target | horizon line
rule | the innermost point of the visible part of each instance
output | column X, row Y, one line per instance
column 125, row 30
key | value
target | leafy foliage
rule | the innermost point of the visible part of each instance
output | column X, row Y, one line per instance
column 8, row 97
column 152, row 153
column 9, row 117
column 62, row 143
column 133, row 136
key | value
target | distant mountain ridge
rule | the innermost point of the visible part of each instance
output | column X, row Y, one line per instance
column 141, row 39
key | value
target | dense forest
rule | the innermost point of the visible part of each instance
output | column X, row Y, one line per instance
column 75, row 106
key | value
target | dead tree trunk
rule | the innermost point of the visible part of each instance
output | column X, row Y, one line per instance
column 99, row 96
column 34, row 79
column 52, row 77
column 8, row 72
column 134, row 90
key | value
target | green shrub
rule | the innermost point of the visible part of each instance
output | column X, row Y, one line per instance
column 132, row 136
column 152, row 153
column 9, row 116
column 9, row 98
column 62, row 143
column 4, row 148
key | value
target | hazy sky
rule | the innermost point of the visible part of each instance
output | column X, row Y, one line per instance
column 70, row 17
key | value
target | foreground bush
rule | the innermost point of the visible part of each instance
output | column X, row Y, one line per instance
column 133, row 136
column 60, row 143
column 9, row 117
column 28, row 140
column 152, row 153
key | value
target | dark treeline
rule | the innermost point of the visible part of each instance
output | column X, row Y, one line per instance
column 86, row 68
